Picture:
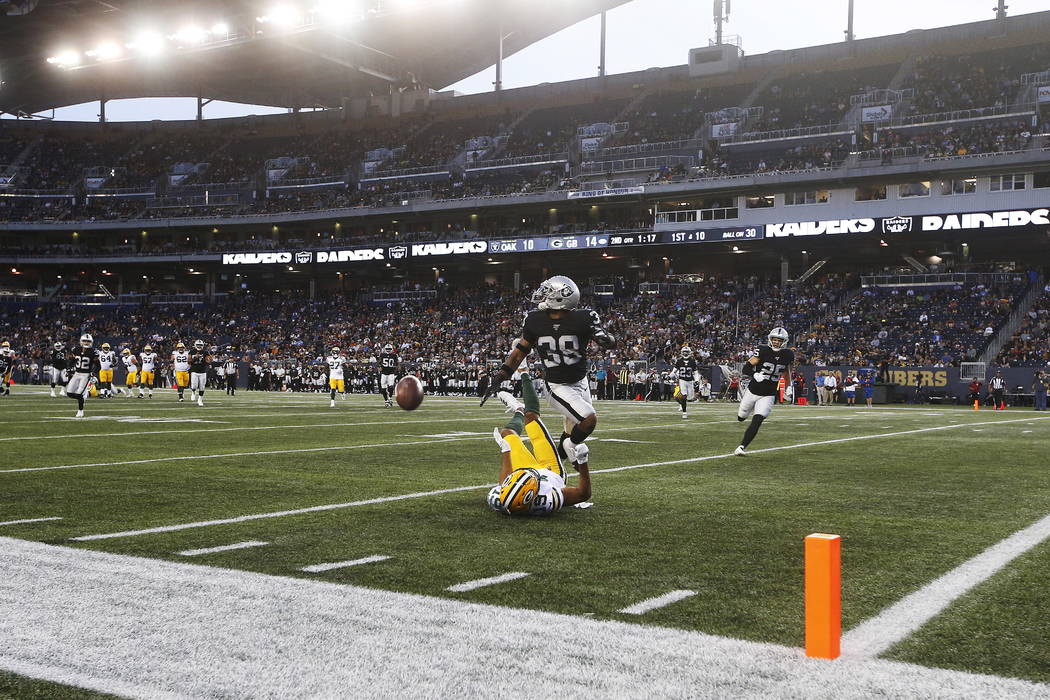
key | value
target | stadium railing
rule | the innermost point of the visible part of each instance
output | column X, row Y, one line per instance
column 537, row 159
column 997, row 112
column 940, row 279
column 613, row 152
column 780, row 134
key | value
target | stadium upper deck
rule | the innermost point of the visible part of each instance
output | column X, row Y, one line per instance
column 823, row 135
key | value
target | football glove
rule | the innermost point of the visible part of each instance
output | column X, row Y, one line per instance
column 604, row 338
column 493, row 386
column 759, row 377
column 583, row 453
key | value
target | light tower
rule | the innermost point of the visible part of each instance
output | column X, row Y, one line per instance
column 722, row 9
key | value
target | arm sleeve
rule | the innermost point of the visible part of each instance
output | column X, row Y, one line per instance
column 527, row 333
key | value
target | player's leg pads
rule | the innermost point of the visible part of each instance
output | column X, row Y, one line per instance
column 752, row 430
column 572, row 400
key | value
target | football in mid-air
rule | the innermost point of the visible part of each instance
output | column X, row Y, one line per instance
column 409, row 393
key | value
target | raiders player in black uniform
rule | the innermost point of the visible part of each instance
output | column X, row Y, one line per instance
column 765, row 367
column 559, row 333
column 388, row 371
column 685, row 368
column 57, row 360
column 84, row 361
column 199, row 363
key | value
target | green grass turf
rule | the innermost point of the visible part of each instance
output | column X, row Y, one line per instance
column 1001, row 627
column 909, row 507
column 20, row 688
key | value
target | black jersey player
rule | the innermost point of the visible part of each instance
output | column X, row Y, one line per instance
column 83, row 361
column 765, row 367
column 389, row 366
column 57, row 360
column 685, row 369
column 559, row 333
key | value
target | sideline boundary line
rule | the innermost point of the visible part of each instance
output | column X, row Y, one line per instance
column 476, row 487
column 909, row 614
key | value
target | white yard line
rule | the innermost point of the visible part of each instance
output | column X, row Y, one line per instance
column 223, row 548
column 659, row 601
column 483, row 582
column 330, row 566
column 202, row 631
column 28, row 520
column 476, row 487
column 899, row 621
column 220, row 455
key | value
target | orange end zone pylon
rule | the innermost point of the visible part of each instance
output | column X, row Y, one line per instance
column 823, row 595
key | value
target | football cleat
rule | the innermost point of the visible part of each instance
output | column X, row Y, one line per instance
column 740, row 451
column 200, row 401
column 778, row 338
column 80, row 413
column 331, row 404
column 684, row 414
column 558, row 292
column 181, row 399
column 508, row 400
column 519, row 490
column 86, row 341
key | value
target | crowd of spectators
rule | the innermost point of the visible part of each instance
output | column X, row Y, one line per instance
column 953, row 140
column 1030, row 344
column 814, row 99
column 940, row 326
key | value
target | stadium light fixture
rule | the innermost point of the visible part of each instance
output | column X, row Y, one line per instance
column 338, row 11
column 190, row 34
column 65, row 59
column 220, row 29
column 105, row 51
column 148, row 43
column 284, row 16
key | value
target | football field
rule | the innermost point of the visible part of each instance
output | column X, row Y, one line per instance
column 944, row 515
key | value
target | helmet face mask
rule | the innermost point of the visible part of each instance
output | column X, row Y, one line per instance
column 105, row 346
column 687, row 352
column 198, row 345
column 388, row 348
column 558, row 292
column 147, row 349
column 86, row 341
column 778, row 338
column 180, row 346
column 59, row 346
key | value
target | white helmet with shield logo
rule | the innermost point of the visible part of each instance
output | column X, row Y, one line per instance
column 559, row 292
column 778, row 338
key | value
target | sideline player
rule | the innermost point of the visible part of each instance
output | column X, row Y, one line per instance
column 867, row 383
column 199, row 361
column 336, row 380
column 849, row 388
column 685, row 370
column 85, row 359
column 767, row 365
column 559, row 332
column 388, row 371
column 131, row 364
column 180, row 360
column 57, row 360
column 7, row 365
column 533, row 483
column 147, row 370
column 106, row 360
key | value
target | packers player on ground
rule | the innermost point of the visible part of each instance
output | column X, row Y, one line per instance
column 336, row 381
column 180, row 360
column 7, row 365
column 199, row 361
column 131, row 365
column 533, row 483
column 147, row 371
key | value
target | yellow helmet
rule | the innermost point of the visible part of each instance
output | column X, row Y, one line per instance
column 519, row 490
column 125, row 351
column 5, row 344
column 147, row 349
column 180, row 345
column 105, row 346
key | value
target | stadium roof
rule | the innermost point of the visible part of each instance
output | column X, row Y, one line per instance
column 301, row 54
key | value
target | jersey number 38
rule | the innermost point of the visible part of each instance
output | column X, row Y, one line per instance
column 564, row 350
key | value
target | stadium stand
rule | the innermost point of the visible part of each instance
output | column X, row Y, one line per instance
column 1030, row 345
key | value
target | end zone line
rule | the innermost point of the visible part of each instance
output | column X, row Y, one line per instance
column 902, row 619
column 476, row 487
column 659, row 601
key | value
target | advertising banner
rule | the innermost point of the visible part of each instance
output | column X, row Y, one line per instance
column 1043, row 93
column 877, row 113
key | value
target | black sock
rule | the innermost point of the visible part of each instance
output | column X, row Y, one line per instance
column 578, row 434
column 561, row 450
column 80, row 402
column 333, row 394
column 752, row 430
column 681, row 401
column 383, row 392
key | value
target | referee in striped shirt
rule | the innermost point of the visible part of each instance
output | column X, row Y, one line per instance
column 997, row 385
